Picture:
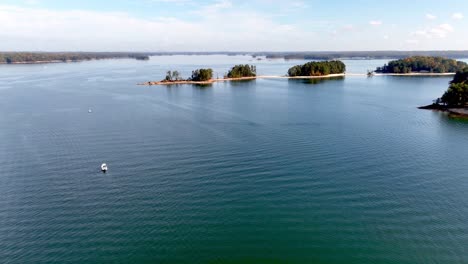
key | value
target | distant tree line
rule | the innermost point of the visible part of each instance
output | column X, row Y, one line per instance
column 32, row 57
column 422, row 64
column 240, row 71
column 457, row 93
column 141, row 57
column 333, row 55
column 317, row 68
column 35, row 57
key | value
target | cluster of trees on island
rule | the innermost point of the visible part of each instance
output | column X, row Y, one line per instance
column 422, row 64
column 203, row 75
column 317, row 68
column 240, row 71
column 199, row 75
column 314, row 68
column 37, row 57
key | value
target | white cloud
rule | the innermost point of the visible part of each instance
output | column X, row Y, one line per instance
column 446, row 27
column 41, row 29
column 440, row 31
column 430, row 16
column 222, row 4
column 457, row 16
column 213, row 9
column 221, row 25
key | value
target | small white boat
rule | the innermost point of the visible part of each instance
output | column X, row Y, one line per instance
column 90, row 111
column 104, row 167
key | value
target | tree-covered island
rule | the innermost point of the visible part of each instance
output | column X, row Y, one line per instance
column 317, row 68
column 422, row 64
column 242, row 71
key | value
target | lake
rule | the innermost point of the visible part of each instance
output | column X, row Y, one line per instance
column 345, row 170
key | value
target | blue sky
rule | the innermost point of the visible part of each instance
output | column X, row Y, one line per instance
column 248, row 25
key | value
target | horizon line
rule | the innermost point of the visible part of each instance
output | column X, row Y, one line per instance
column 225, row 51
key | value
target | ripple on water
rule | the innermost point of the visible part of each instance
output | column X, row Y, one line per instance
column 266, row 171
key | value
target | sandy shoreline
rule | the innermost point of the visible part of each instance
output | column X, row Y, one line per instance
column 458, row 111
column 455, row 111
column 241, row 79
column 295, row 77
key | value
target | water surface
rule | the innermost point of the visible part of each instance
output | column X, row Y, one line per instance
column 266, row 171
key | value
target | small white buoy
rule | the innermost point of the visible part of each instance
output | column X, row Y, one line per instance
column 104, row 167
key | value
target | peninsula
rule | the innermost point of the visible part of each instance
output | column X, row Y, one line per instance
column 311, row 70
column 163, row 82
column 455, row 99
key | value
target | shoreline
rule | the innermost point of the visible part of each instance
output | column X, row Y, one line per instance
column 241, row 79
column 293, row 77
column 455, row 111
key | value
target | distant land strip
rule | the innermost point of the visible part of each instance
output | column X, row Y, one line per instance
column 57, row 57
column 54, row 57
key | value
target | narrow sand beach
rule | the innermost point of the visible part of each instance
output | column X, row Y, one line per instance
column 288, row 77
column 241, row 79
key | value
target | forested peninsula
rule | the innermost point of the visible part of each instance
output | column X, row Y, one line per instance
column 50, row 57
column 455, row 99
column 422, row 64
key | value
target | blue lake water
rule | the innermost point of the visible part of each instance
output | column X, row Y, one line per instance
column 267, row 171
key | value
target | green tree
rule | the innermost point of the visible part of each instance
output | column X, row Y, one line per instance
column 201, row 75
column 176, row 76
column 457, row 93
column 239, row 71
column 168, row 76
column 461, row 76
